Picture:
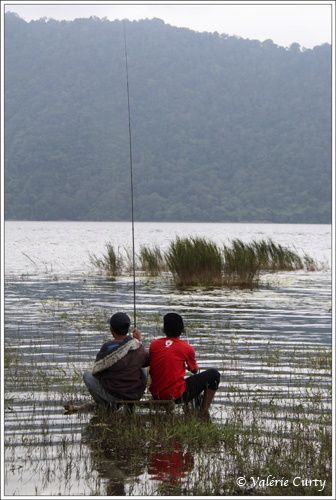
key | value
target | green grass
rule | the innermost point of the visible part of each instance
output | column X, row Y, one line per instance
column 310, row 264
column 244, row 262
column 195, row 261
column 151, row 260
column 275, row 257
column 239, row 443
column 11, row 357
column 224, row 451
column 110, row 263
column 152, row 430
column 241, row 265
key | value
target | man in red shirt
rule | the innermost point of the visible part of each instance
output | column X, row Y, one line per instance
column 169, row 358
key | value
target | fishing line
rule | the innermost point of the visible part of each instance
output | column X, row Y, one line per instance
column 131, row 174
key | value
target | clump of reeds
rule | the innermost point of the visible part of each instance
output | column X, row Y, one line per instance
column 275, row 257
column 194, row 261
column 309, row 263
column 151, row 260
column 110, row 263
column 241, row 265
column 198, row 261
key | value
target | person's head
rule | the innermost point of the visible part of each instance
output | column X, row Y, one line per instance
column 173, row 325
column 119, row 324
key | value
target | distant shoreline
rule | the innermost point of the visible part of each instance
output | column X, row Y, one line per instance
column 170, row 222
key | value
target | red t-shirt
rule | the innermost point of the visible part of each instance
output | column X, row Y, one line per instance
column 169, row 358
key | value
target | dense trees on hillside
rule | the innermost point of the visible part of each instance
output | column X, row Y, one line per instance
column 224, row 129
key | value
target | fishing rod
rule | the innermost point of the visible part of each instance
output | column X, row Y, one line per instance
column 131, row 173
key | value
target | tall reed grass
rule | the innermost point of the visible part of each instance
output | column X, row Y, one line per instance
column 275, row 257
column 111, row 263
column 241, row 265
column 195, row 261
column 198, row 261
column 151, row 260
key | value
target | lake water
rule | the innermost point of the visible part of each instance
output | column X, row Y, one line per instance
column 64, row 247
column 270, row 344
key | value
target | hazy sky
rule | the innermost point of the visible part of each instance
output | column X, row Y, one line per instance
column 306, row 23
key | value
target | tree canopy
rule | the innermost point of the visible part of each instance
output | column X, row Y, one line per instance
column 224, row 128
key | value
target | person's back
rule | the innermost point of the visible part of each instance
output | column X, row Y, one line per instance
column 117, row 372
column 169, row 359
column 122, row 377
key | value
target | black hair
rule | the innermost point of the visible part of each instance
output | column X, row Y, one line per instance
column 120, row 331
column 173, row 325
column 172, row 334
column 120, row 323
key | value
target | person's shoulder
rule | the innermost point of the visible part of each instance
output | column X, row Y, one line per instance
column 156, row 342
column 158, row 339
column 185, row 345
column 182, row 341
column 104, row 350
column 107, row 343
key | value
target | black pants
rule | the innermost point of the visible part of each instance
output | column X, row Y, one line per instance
column 198, row 383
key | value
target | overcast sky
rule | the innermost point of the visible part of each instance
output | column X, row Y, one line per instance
column 307, row 24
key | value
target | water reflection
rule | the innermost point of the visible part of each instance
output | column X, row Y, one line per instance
column 271, row 344
column 123, row 466
column 170, row 465
column 114, row 462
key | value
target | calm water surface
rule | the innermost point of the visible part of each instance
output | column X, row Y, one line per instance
column 265, row 342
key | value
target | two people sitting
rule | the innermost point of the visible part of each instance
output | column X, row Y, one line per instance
column 119, row 370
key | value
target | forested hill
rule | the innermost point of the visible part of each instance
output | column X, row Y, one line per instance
column 224, row 129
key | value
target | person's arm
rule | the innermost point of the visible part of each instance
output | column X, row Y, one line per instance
column 191, row 361
column 138, row 335
column 146, row 362
column 102, row 352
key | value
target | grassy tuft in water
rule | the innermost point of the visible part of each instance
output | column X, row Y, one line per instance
column 147, row 430
column 194, row 261
column 241, row 265
column 239, row 447
column 275, row 257
column 110, row 263
column 10, row 357
column 151, row 260
column 310, row 264
column 243, row 262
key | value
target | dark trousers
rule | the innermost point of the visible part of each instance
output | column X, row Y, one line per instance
column 196, row 384
column 97, row 391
